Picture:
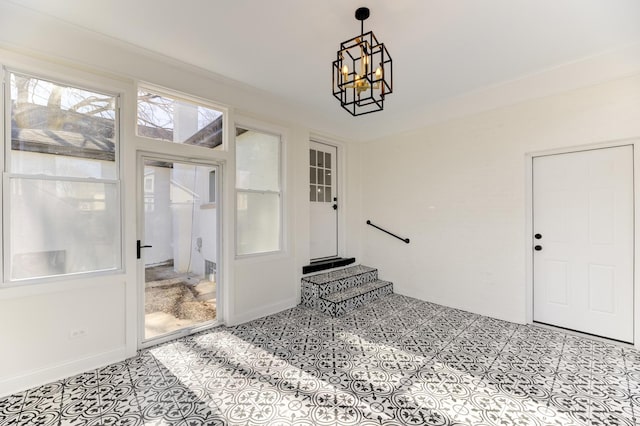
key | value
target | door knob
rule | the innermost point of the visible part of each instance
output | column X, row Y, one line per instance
column 537, row 236
column 537, row 248
column 335, row 207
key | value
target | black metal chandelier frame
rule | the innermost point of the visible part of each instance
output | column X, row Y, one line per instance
column 362, row 72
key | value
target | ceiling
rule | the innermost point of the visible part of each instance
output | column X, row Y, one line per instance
column 441, row 50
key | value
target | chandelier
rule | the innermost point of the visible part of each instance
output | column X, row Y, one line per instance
column 362, row 74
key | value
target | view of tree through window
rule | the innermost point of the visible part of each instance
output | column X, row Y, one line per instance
column 179, row 121
column 50, row 118
column 63, row 202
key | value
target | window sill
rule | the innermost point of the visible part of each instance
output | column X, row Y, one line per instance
column 47, row 285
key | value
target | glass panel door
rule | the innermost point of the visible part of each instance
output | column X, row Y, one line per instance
column 179, row 246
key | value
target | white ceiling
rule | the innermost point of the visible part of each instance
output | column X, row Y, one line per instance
column 441, row 50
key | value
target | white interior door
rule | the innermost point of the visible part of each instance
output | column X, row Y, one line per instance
column 324, row 200
column 583, row 241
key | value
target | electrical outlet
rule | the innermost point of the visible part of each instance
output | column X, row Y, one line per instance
column 77, row 333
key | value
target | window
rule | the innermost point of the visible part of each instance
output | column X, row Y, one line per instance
column 63, row 201
column 176, row 120
column 258, row 192
column 320, row 176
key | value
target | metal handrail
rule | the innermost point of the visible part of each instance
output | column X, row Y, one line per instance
column 406, row 240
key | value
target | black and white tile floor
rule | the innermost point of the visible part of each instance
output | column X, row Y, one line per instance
column 399, row 361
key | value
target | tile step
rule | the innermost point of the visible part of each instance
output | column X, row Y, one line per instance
column 318, row 286
column 327, row 264
column 341, row 302
column 341, row 296
column 341, row 274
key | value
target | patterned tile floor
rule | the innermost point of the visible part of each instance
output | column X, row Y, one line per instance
column 399, row 361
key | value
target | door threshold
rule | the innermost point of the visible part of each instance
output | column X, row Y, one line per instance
column 322, row 265
column 577, row 333
column 178, row 334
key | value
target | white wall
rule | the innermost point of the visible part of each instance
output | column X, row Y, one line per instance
column 36, row 329
column 267, row 283
column 36, row 320
column 457, row 190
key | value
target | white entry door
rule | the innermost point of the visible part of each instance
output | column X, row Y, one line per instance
column 583, row 241
column 179, row 205
column 324, row 200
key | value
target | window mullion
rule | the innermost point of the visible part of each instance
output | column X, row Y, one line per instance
column 257, row 191
column 60, row 178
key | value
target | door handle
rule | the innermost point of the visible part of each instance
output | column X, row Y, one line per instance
column 139, row 248
column 335, row 207
column 537, row 248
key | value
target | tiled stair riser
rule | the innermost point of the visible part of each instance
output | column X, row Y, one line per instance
column 320, row 285
column 338, row 292
column 312, row 292
column 328, row 277
column 347, row 283
column 339, row 308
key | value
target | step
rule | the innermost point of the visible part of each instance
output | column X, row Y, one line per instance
column 320, row 285
column 341, row 302
column 322, row 265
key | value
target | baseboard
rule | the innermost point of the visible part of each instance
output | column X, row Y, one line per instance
column 263, row 311
column 462, row 307
column 51, row 374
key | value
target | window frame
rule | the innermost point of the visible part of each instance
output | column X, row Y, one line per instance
column 280, row 192
column 8, row 175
